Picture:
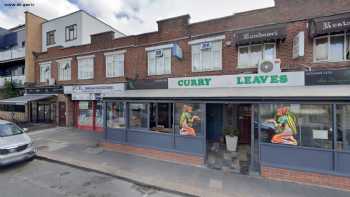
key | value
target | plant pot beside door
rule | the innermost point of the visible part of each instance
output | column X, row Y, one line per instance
column 231, row 138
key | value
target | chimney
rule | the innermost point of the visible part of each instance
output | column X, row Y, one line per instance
column 102, row 37
column 176, row 26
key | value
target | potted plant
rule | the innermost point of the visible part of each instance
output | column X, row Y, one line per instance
column 231, row 137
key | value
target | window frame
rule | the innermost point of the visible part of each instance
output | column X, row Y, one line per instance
column 84, row 58
column 345, row 34
column 115, row 60
column 59, row 69
column 155, row 62
column 212, row 68
column 48, row 43
column 249, row 53
column 41, row 78
column 68, row 30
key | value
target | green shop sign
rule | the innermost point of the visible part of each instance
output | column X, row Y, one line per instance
column 242, row 80
column 195, row 82
column 262, row 79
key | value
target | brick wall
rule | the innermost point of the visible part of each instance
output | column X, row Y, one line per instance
column 338, row 182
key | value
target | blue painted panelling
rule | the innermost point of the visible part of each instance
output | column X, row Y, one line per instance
column 297, row 157
column 117, row 135
column 342, row 163
column 151, row 139
column 194, row 145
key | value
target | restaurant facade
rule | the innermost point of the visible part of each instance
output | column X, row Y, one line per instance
column 279, row 83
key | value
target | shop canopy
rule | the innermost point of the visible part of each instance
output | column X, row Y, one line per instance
column 330, row 24
column 22, row 100
column 254, row 93
column 261, row 34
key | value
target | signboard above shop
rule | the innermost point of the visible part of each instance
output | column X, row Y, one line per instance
column 260, row 34
column 327, row 77
column 330, row 24
column 95, row 89
column 241, row 80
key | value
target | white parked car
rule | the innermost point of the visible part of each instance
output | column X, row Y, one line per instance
column 15, row 144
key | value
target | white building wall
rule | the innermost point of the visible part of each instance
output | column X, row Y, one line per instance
column 93, row 26
column 59, row 25
column 86, row 26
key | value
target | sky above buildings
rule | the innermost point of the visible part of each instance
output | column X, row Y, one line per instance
column 128, row 16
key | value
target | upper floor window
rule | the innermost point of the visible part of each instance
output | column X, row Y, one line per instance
column 50, row 37
column 332, row 48
column 159, row 60
column 207, row 54
column 86, row 67
column 115, row 64
column 250, row 56
column 71, row 32
column 64, row 69
column 45, row 71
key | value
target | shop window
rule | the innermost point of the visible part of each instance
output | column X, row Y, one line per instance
column 64, row 70
column 251, row 55
column 138, row 115
column 12, row 108
column 161, row 115
column 99, row 115
column 188, row 117
column 343, row 127
column 207, row 56
column 85, row 67
column 333, row 48
column 45, row 72
column 115, row 65
column 297, row 124
column 85, row 114
column 115, row 115
column 159, row 62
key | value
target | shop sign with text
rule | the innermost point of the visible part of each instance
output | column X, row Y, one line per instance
column 94, row 89
column 242, row 80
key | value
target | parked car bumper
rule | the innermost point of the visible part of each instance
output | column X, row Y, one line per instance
column 17, row 157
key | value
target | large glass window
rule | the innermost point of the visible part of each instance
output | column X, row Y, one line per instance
column 161, row 115
column 45, row 72
column 64, row 70
column 343, row 126
column 115, row 115
column 85, row 67
column 188, row 117
column 297, row 124
column 99, row 115
column 115, row 65
column 85, row 114
column 331, row 48
column 138, row 115
column 159, row 62
column 207, row 56
column 251, row 55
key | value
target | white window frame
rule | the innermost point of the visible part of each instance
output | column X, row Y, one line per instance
column 150, row 51
column 64, row 74
column 211, row 40
column 117, row 69
column 249, row 52
column 329, row 47
column 80, row 67
column 45, row 77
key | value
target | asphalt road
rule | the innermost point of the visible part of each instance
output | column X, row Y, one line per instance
column 40, row 178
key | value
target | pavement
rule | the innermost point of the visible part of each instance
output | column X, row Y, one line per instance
column 80, row 149
column 40, row 178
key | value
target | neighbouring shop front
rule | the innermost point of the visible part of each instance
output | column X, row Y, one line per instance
column 88, row 106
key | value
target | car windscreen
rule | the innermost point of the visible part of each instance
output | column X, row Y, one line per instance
column 9, row 129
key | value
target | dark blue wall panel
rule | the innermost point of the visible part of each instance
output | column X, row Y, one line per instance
column 342, row 161
column 117, row 135
column 194, row 145
column 151, row 139
column 297, row 157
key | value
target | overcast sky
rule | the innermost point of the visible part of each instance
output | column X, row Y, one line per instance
column 129, row 16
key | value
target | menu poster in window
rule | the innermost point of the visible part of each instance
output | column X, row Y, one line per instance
column 83, row 105
column 285, row 126
column 187, row 121
column 320, row 134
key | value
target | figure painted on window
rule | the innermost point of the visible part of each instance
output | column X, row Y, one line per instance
column 285, row 123
column 187, row 119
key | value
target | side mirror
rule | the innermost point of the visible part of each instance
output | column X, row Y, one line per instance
column 25, row 129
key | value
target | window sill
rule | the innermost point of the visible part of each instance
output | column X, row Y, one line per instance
column 246, row 67
column 150, row 75
column 329, row 61
column 212, row 70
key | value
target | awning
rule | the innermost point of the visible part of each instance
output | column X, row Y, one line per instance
column 255, row 92
column 261, row 34
column 22, row 100
column 330, row 24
